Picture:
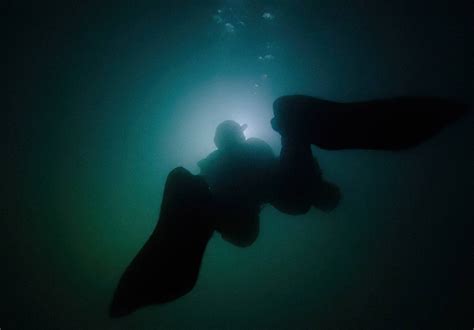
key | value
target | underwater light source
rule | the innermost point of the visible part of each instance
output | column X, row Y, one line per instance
column 202, row 109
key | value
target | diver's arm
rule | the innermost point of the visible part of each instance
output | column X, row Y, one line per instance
column 206, row 164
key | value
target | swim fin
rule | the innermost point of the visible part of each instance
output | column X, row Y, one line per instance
column 386, row 124
column 167, row 266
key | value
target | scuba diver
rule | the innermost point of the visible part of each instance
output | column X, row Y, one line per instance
column 243, row 175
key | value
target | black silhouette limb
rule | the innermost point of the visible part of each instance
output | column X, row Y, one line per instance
column 167, row 266
column 387, row 124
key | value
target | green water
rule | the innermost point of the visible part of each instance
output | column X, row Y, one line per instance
column 103, row 101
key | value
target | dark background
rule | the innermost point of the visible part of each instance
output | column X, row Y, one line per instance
column 102, row 101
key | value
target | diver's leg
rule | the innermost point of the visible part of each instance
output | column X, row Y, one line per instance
column 168, row 264
column 304, row 118
column 299, row 183
column 386, row 124
column 296, row 177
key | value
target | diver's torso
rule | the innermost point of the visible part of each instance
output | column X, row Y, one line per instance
column 240, row 180
column 243, row 173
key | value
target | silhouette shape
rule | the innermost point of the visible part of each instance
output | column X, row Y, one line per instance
column 237, row 161
column 389, row 124
column 167, row 266
column 243, row 175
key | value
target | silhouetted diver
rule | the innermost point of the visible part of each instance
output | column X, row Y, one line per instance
column 243, row 174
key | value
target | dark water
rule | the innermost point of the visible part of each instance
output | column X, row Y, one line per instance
column 102, row 101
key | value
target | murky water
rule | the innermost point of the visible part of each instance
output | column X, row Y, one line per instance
column 106, row 100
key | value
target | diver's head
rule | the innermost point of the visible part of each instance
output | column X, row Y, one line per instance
column 229, row 134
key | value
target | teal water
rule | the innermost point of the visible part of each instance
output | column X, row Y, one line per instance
column 103, row 101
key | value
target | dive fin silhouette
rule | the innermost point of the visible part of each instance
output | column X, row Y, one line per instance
column 168, row 264
column 386, row 124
